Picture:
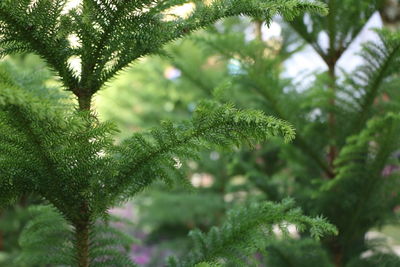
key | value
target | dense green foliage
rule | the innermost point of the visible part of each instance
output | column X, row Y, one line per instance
column 344, row 161
column 48, row 239
column 112, row 34
column 69, row 159
column 247, row 235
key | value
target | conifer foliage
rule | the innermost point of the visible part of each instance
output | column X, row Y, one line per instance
column 248, row 236
column 112, row 34
column 344, row 161
column 68, row 157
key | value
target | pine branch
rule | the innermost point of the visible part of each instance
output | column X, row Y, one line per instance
column 144, row 160
column 38, row 27
column 360, row 166
column 382, row 61
column 46, row 239
column 247, row 230
column 18, row 126
column 109, row 16
column 203, row 16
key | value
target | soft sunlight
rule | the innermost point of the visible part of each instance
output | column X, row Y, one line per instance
column 180, row 11
column 70, row 5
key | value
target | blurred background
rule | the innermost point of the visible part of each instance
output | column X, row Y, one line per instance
column 306, row 72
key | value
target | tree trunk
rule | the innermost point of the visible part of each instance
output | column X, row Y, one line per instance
column 82, row 244
column 258, row 30
column 332, row 150
column 82, row 226
column 84, row 102
column 331, row 60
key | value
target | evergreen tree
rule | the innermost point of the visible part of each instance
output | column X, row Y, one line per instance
column 344, row 159
column 68, row 157
column 220, row 186
column 25, row 70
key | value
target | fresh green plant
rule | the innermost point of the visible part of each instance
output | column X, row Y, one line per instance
column 68, row 157
column 339, row 160
column 25, row 70
column 344, row 161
